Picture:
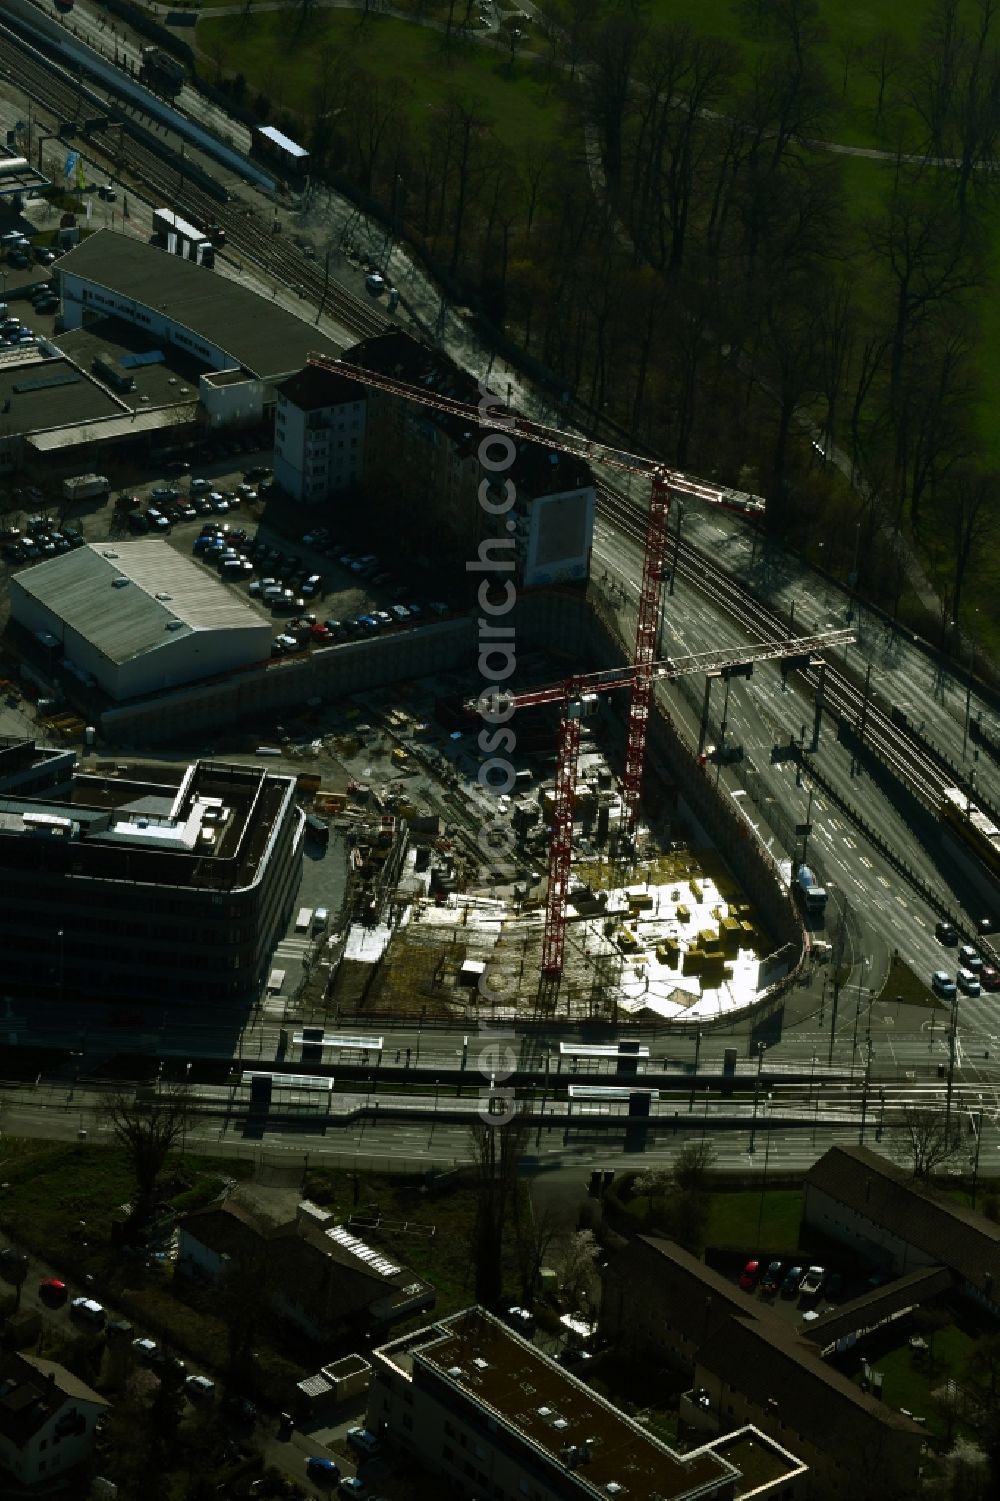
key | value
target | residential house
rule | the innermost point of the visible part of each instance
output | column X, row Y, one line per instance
column 47, row 1423
column 315, row 1274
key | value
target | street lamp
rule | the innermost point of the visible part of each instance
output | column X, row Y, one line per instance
column 978, row 1128
column 857, row 1011
column 968, row 696
column 677, row 544
column 952, row 1040
column 763, row 1183
column 761, row 1046
column 62, row 963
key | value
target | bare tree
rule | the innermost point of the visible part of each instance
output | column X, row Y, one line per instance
column 538, row 1228
column 983, row 1367
column 14, row 1269
column 148, row 1129
column 885, row 60
column 578, row 1277
column 691, row 1167
column 966, row 1471
column 975, row 522
column 497, row 1152
column 922, row 1140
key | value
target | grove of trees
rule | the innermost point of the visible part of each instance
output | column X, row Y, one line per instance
column 688, row 259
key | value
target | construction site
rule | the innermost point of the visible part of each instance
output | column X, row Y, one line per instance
column 576, row 891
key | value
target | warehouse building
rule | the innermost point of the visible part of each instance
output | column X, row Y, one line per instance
column 135, row 618
column 420, row 470
column 167, row 884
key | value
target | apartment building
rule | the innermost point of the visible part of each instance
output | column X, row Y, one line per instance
column 319, row 434
column 528, row 509
column 868, row 1203
column 490, row 1416
column 747, row 1365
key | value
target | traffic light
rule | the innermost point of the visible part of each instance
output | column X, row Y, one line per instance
column 738, row 670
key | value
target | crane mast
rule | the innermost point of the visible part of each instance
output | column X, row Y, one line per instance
column 579, row 695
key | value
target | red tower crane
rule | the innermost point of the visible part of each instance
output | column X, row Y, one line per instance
column 578, row 694
column 577, row 697
column 663, row 482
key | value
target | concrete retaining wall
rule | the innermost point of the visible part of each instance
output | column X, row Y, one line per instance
column 331, row 672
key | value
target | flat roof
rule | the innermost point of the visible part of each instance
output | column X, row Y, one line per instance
column 169, row 381
column 149, row 831
column 164, row 595
column 39, row 406
column 253, row 331
column 550, row 1409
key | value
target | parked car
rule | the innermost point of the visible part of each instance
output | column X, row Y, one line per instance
column 199, row 1388
column 771, row 1280
column 750, row 1276
column 240, row 1409
column 793, row 1277
column 352, row 1486
column 364, row 1441
column 986, row 925
column 834, row 1289
column 53, row 1292
column 168, row 1367
column 145, row 1348
column 812, row 1283
column 89, row 1311
column 322, row 1470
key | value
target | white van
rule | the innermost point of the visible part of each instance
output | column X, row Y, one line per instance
column 320, row 919
column 968, row 983
column 304, row 920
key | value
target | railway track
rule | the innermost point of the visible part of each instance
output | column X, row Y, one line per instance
column 50, row 86
column 917, row 767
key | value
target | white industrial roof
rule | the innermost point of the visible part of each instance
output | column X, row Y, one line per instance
column 128, row 598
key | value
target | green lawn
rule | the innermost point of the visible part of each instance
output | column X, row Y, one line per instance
column 520, row 104
column 732, row 1219
column 909, row 1382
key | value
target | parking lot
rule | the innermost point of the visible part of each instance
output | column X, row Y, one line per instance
column 315, row 590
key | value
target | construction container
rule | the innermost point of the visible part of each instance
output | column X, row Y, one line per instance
column 730, row 933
